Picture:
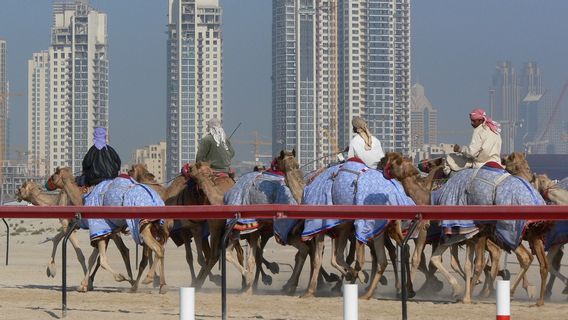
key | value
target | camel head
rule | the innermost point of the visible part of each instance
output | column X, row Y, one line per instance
column 542, row 183
column 286, row 161
column 401, row 168
column 60, row 175
column 27, row 191
column 140, row 173
column 201, row 169
column 388, row 159
column 517, row 165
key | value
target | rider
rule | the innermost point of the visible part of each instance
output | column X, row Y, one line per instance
column 485, row 145
column 215, row 148
column 364, row 145
column 101, row 161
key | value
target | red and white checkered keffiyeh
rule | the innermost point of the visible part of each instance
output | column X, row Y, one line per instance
column 478, row 114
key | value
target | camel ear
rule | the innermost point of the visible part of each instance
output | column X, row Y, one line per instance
column 281, row 154
column 294, row 152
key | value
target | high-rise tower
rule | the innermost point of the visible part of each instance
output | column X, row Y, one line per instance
column 79, row 83
column 194, row 76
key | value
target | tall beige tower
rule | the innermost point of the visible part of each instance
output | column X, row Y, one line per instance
column 79, row 77
column 194, row 76
column 38, row 114
column 424, row 119
column 3, row 104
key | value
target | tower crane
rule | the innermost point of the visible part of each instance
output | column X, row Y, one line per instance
column 553, row 114
column 257, row 143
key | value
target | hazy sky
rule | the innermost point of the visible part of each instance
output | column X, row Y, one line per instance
column 455, row 47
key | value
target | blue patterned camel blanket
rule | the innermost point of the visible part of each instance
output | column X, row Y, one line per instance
column 352, row 183
column 128, row 192
column 488, row 186
column 263, row 188
column 120, row 192
column 559, row 233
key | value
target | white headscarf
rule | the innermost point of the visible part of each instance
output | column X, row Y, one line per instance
column 214, row 128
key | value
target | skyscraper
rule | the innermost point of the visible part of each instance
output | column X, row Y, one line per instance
column 504, row 98
column 38, row 113
column 374, row 70
column 78, row 73
column 194, row 76
column 304, row 73
column 336, row 59
column 424, row 119
column 3, row 104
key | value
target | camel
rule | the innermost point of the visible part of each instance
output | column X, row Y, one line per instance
column 353, row 183
column 63, row 178
column 31, row 192
column 552, row 192
column 505, row 190
column 213, row 189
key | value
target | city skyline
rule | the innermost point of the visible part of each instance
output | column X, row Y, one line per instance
column 475, row 93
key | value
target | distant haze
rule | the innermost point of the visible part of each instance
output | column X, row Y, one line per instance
column 455, row 47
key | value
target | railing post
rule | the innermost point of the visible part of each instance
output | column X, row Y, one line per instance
column 224, row 241
column 70, row 229
column 7, row 240
column 404, row 257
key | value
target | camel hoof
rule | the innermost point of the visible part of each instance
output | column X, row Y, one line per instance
column 565, row 291
column 308, row 295
column 51, row 270
column 119, row 278
column 134, row 289
column 289, row 289
column 383, row 281
column 333, row 277
column 505, row 274
column 267, row 280
column 163, row 289
column 365, row 297
column 216, row 279
column 82, row 289
column 411, row 294
column 274, row 268
column 531, row 291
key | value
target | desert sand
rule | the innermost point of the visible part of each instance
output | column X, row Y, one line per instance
column 27, row 293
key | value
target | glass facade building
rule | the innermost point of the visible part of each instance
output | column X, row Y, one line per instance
column 194, row 77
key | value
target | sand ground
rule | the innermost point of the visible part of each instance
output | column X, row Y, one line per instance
column 27, row 293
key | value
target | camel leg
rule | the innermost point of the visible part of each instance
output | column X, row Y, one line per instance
column 316, row 256
column 436, row 260
column 495, row 255
column 554, row 260
column 525, row 259
column 479, row 250
column 124, row 252
column 102, row 246
column 158, row 250
column 418, row 248
column 146, row 253
column 393, row 256
column 455, row 262
column 189, row 255
column 299, row 260
column 470, row 250
column 538, row 246
column 216, row 228
column 253, row 241
column 338, row 252
column 379, row 246
column 51, row 266
column 84, row 287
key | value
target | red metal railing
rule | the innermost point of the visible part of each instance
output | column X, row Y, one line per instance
column 295, row 211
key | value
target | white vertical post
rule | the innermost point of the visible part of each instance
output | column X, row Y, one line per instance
column 350, row 300
column 187, row 303
column 503, row 300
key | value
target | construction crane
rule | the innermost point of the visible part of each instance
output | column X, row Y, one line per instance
column 554, row 112
column 256, row 143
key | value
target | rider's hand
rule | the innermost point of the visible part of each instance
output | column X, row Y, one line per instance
column 457, row 148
